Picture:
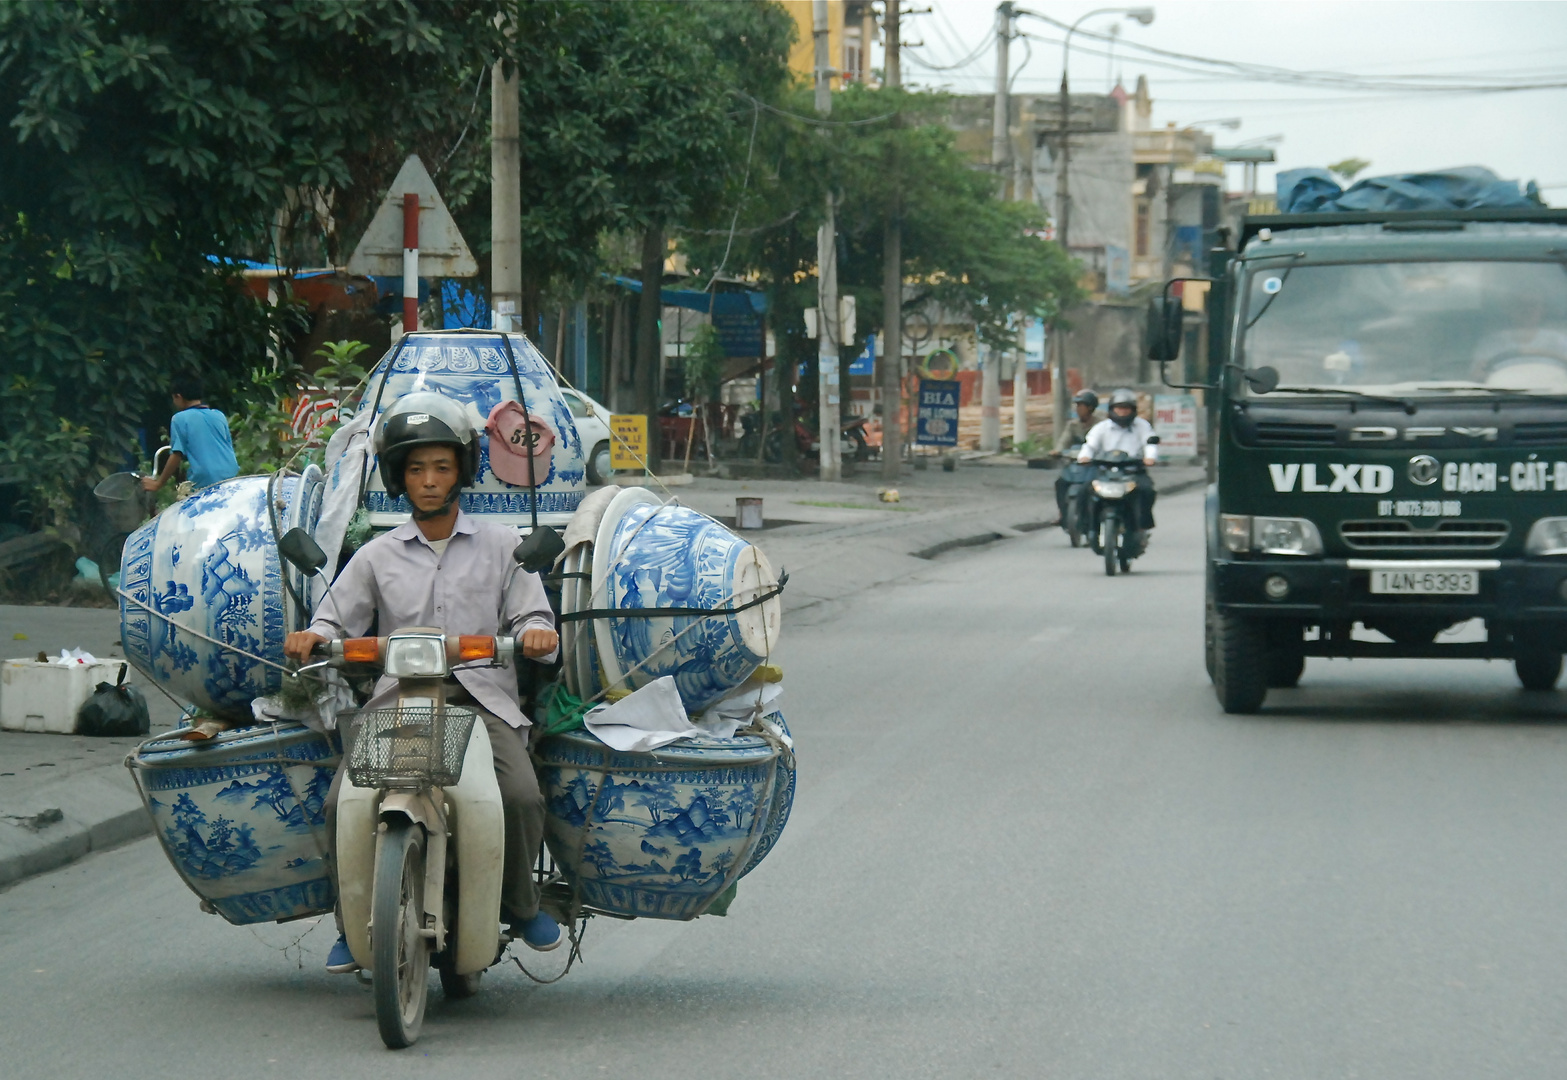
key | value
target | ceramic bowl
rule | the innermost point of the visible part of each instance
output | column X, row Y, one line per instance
column 472, row 369
column 653, row 555
column 661, row 834
column 242, row 817
column 209, row 567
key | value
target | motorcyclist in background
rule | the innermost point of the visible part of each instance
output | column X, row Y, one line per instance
column 1084, row 402
column 1125, row 430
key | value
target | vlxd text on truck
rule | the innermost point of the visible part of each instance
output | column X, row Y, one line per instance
column 1387, row 396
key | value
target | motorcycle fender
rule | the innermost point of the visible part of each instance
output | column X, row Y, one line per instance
column 423, row 808
column 479, row 833
column 356, row 837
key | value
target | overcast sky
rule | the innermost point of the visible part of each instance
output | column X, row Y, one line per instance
column 1521, row 135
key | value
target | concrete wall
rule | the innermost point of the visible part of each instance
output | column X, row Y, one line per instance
column 1106, row 345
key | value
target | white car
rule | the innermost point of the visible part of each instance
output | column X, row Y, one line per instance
column 593, row 425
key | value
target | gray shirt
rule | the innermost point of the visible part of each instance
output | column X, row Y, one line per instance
column 401, row 579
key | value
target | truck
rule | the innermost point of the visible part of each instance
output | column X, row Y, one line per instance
column 1386, row 395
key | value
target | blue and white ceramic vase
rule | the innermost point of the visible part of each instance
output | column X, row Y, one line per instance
column 648, row 555
column 241, row 816
column 661, row 834
column 204, row 598
column 475, row 369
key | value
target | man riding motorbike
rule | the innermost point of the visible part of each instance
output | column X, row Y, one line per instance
column 1125, row 430
column 444, row 569
column 1084, row 402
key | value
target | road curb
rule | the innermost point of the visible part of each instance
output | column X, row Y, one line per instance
column 62, row 821
column 991, row 535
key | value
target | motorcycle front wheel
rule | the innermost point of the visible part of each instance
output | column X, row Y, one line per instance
column 1110, row 540
column 400, row 953
column 1074, row 530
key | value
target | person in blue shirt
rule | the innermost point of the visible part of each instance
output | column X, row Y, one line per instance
column 198, row 435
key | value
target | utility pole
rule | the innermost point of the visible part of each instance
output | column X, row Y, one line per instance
column 1020, row 387
column 1000, row 155
column 1058, row 388
column 827, row 375
column 892, row 281
column 505, row 204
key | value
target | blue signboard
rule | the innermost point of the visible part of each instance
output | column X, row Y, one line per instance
column 865, row 363
column 937, row 418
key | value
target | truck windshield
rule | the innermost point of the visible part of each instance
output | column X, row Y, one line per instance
column 1436, row 327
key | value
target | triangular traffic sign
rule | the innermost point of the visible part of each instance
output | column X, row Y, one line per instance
column 442, row 250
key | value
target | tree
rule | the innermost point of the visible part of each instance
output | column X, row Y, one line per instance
column 1349, row 168
column 151, row 147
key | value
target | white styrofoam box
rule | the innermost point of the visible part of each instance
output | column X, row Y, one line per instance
column 45, row 697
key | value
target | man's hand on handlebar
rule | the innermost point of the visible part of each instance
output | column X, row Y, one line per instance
column 536, row 642
column 299, row 645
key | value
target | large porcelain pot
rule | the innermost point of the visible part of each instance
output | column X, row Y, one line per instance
column 662, row 834
column 242, row 817
column 205, row 574
column 649, row 554
column 472, row 367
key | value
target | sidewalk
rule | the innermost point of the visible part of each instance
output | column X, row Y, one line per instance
column 62, row 796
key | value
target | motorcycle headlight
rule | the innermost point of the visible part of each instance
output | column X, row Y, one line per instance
column 1112, row 489
column 1548, row 536
column 418, row 656
column 1285, row 536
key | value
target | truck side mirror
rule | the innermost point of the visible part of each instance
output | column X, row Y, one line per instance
column 538, row 550
column 1164, row 329
column 301, row 551
column 1263, row 380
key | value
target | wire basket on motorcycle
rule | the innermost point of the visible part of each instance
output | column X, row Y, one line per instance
column 410, row 746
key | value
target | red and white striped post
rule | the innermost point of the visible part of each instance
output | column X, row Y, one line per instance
column 410, row 263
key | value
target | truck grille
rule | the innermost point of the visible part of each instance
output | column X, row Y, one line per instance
column 1552, row 432
column 1384, row 535
column 1285, row 433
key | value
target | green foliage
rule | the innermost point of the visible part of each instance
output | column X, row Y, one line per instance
column 1349, row 168
column 340, row 373
column 704, row 363
column 150, row 145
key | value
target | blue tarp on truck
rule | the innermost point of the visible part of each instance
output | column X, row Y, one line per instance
column 1471, row 187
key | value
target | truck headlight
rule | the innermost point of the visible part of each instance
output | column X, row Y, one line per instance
column 1548, row 536
column 419, row 656
column 1113, row 489
column 1285, row 536
column 1270, row 535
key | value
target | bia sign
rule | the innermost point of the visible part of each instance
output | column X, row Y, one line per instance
column 1355, row 479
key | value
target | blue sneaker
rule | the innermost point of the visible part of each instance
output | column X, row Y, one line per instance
column 340, row 961
column 540, row 933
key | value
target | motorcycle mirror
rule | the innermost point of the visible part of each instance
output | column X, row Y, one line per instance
column 301, row 551
column 1263, row 380
column 538, row 550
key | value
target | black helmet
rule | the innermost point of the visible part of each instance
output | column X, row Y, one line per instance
column 1086, row 397
column 424, row 419
column 1123, row 397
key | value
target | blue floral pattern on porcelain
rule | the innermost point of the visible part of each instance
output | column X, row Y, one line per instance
column 670, row 556
column 205, row 574
column 662, row 834
column 473, row 369
column 242, row 817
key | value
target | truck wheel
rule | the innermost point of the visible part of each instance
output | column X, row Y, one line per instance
column 1538, row 670
column 1208, row 631
column 1285, row 668
column 1240, row 668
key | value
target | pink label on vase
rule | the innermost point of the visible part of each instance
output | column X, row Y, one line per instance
column 511, row 439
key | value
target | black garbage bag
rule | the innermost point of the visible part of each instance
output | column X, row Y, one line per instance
column 114, row 710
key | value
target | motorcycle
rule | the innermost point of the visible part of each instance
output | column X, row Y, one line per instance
column 420, row 833
column 1112, row 527
column 1074, row 476
column 853, row 440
